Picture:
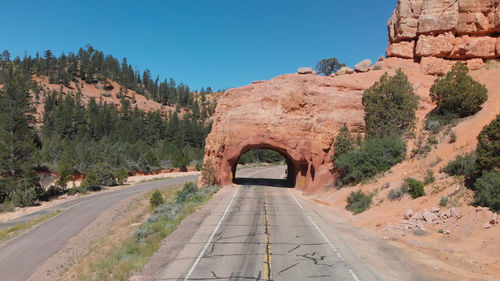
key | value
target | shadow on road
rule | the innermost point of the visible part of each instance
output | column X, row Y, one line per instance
column 262, row 181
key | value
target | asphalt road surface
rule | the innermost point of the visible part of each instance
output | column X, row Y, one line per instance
column 262, row 232
column 20, row 256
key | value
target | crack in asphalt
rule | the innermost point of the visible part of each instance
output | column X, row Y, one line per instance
column 310, row 256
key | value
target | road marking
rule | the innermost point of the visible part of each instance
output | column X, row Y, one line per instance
column 211, row 237
column 324, row 237
column 300, row 206
column 268, row 265
column 353, row 275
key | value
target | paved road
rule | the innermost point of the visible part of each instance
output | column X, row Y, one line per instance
column 20, row 257
column 264, row 233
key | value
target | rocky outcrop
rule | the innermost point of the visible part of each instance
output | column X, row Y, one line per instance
column 363, row 66
column 306, row 70
column 444, row 29
column 296, row 115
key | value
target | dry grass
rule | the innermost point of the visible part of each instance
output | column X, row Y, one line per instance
column 118, row 253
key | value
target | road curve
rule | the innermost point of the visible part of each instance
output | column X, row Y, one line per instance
column 20, row 257
column 264, row 233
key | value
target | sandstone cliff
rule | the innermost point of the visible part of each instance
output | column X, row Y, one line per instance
column 437, row 32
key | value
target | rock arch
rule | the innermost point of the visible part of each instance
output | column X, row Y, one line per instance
column 295, row 115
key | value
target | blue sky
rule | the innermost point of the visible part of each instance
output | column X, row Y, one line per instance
column 217, row 43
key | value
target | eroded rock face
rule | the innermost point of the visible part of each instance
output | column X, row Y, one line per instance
column 448, row 29
column 296, row 115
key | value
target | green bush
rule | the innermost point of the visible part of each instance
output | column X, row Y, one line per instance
column 189, row 189
column 104, row 174
column 121, row 175
column 397, row 193
column 458, row 93
column 156, row 199
column 390, row 106
column 358, row 202
column 444, row 201
column 453, row 138
column 488, row 147
column 462, row 166
column 90, row 182
column 329, row 66
column 374, row 156
column 23, row 197
column 488, row 190
column 344, row 142
column 415, row 187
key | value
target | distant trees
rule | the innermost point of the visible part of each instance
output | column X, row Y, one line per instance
column 458, row 94
column 328, row 66
column 390, row 106
column 17, row 139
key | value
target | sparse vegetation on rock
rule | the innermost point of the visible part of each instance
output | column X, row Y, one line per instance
column 329, row 66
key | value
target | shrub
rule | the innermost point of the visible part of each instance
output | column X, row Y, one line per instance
column 344, row 142
column 329, row 66
column 432, row 140
column 104, row 174
column 453, row 138
column 434, row 121
column 488, row 190
column 390, row 106
column 52, row 192
column 462, row 166
column 444, row 201
column 23, row 197
column 375, row 155
column 488, row 147
column 415, row 187
column 90, row 182
column 186, row 192
column 156, row 199
column 121, row 175
column 397, row 193
column 458, row 93
column 358, row 202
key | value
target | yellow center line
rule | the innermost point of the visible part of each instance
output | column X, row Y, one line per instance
column 268, row 273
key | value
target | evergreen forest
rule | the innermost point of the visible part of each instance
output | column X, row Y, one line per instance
column 72, row 136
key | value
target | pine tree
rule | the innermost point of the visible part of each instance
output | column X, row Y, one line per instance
column 17, row 138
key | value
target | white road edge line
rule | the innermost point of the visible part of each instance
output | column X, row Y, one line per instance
column 300, row 206
column 353, row 275
column 326, row 238
column 211, row 237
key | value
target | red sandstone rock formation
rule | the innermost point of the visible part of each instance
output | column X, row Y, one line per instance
column 441, row 31
column 296, row 115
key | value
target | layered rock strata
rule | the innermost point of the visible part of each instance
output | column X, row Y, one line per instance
column 446, row 31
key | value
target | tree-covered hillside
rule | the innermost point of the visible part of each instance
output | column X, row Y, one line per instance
column 95, row 137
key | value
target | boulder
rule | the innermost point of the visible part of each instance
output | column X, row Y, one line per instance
column 494, row 219
column 435, row 66
column 381, row 58
column 408, row 214
column 429, row 216
column 487, row 225
column 435, row 210
column 306, row 70
column 402, row 49
column 344, row 70
column 363, row 66
column 454, row 212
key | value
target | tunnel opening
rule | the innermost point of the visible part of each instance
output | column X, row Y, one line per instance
column 270, row 168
